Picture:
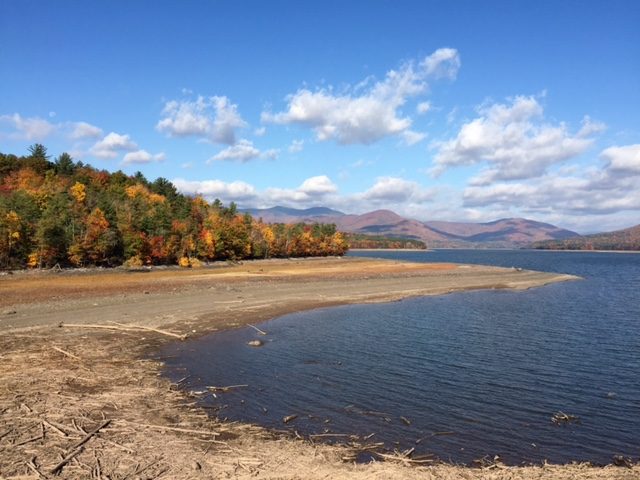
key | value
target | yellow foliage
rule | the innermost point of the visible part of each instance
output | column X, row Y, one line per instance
column 136, row 190
column 134, row 261
column 195, row 263
column 184, row 262
column 79, row 192
column 33, row 260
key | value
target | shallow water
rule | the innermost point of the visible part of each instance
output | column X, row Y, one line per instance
column 475, row 373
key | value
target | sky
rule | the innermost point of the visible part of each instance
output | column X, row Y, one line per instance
column 437, row 110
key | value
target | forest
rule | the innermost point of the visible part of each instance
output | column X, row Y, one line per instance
column 364, row 241
column 66, row 213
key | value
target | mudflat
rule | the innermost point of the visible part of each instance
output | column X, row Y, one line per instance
column 81, row 395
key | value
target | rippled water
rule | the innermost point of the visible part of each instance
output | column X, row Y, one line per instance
column 475, row 373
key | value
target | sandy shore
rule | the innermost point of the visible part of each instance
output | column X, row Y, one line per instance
column 62, row 377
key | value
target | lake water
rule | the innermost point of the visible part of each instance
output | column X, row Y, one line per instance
column 475, row 373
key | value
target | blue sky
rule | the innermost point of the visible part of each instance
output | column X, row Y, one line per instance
column 464, row 111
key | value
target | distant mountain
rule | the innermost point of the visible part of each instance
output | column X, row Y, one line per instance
column 289, row 215
column 507, row 232
column 513, row 230
column 627, row 239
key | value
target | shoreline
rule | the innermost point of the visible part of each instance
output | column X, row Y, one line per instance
column 52, row 374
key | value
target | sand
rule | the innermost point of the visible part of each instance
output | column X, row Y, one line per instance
column 61, row 376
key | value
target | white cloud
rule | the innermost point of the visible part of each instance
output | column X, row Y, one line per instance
column 214, row 119
column 260, row 131
column 423, row 107
column 312, row 190
column 243, row 151
column 396, row 190
column 579, row 197
column 365, row 113
column 514, row 141
column 82, row 130
column 111, row 145
column 142, row 157
column 623, row 159
column 318, row 186
column 29, row 128
column 409, row 137
column 296, row 146
column 233, row 191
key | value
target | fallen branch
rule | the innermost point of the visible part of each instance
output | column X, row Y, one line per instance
column 54, row 428
column 123, row 328
column 225, row 389
column 70, row 355
column 173, row 429
column 77, row 448
column 29, row 440
column 157, row 330
column 261, row 332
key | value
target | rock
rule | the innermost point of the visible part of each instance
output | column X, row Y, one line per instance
column 255, row 343
column 289, row 418
column 196, row 466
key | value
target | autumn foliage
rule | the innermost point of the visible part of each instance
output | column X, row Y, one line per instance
column 71, row 214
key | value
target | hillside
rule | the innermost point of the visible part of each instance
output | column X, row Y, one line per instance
column 66, row 213
column 503, row 233
column 627, row 239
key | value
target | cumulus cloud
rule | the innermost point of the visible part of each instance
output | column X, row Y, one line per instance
column 396, row 190
column 84, row 130
column 366, row 113
column 296, row 146
column 215, row 119
column 409, row 137
column 233, row 191
column 624, row 159
column 423, row 107
column 443, row 63
column 28, row 128
column 142, row 157
column 243, row 151
column 514, row 141
column 112, row 145
column 580, row 193
column 318, row 186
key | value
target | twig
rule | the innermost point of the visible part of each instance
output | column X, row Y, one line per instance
column 124, row 328
column 77, row 448
column 71, row 355
column 32, row 466
column 225, row 389
column 29, row 440
column 151, row 329
column 174, row 429
column 261, row 332
column 54, row 428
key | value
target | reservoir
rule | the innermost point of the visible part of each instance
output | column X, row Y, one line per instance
column 459, row 376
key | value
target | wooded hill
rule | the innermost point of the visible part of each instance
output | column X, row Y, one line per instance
column 627, row 239
column 358, row 240
column 71, row 214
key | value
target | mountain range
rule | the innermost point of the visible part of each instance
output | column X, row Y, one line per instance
column 503, row 233
column 626, row 239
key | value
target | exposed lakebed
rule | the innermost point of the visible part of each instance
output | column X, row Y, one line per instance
column 473, row 374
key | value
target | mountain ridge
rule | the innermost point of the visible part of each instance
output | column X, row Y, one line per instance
column 504, row 232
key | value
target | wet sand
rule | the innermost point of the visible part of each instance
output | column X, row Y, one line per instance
column 63, row 374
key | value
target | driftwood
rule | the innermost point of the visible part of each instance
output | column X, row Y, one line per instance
column 289, row 418
column 225, row 389
column 124, row 328
column 261, row 332
column 174, row 429
column 561, row 418
column 77, row 448
column 64, row 352
column 405, row 420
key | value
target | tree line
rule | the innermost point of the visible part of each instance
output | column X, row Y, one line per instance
column 71, row 214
